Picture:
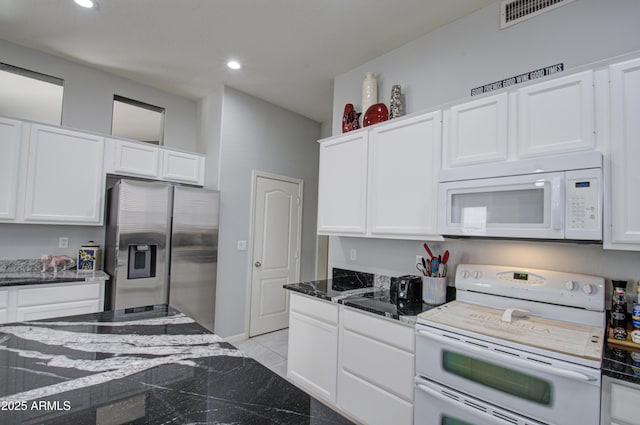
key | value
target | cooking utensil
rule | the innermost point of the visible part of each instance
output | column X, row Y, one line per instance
column 422, row 269
column 426, row 247
column 445, row 256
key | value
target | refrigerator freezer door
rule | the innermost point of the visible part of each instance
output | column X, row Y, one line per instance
column 194, row 253
column 139, row 218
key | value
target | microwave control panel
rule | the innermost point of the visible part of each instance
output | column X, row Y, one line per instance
column 583, row 200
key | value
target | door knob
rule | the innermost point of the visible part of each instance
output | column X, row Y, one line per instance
column 258, row 264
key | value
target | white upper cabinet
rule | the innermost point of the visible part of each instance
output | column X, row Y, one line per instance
column 10, row 142
column 476, row 132
column 382, row 181
column 548, row 118
column 138, row 159
column 622, row 226
column 64, row 177
column 403, row 175
column 182, row 167
column 342, row 184
column 130, row 158
column 556, row 116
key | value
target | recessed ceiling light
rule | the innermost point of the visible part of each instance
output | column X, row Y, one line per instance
column 234, row 64
column 85, row 3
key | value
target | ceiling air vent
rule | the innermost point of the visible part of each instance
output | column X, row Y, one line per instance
column 514, row 11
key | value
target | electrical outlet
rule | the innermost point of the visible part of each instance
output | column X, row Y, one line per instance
column 63, row 242
column 242, row 245
column 353, row 254
column 419, row 259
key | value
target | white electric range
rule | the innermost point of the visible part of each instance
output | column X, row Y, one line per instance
column 518, row 346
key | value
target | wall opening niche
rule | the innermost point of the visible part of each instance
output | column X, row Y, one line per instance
column 30, row 95
column 137, row 120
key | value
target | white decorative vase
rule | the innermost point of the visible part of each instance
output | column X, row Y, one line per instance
column 369, row 92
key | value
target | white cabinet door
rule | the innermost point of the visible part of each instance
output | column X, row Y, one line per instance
column 476, row 132
column 10, row 141
column 55, row 300
column 342, row 185
column 65, row 179
column 182, row 167
column 136, row 159
column 377, row 369
column 556, row 116
column 623, row 229
column 313, row 346
column 4, row 306
column 403, row 177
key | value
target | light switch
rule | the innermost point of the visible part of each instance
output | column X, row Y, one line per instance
column 63, row 242
column 242, row 245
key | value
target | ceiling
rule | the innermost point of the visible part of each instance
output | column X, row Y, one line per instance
column 291, row 49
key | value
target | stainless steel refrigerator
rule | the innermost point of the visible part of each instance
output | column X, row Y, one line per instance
column 161, row 246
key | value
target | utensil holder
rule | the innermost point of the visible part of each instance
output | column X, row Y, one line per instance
column 434, row 290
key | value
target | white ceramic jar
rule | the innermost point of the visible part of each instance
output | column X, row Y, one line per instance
column 369, row 92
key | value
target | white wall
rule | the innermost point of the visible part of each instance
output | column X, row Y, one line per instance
column 256, row 135
column 445, row 65
column 88, row 96
column 87, row 105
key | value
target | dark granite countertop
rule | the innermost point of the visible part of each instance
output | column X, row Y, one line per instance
column 141, row 366
column 373, row 299
column 36, row 278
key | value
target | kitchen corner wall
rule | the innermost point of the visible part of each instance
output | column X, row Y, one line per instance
column 443, row 66
column 87, row 105
column 245, row 134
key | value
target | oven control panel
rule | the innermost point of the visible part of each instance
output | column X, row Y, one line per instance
column 547, row 286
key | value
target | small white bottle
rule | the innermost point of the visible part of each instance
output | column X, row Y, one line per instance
column 369, row 92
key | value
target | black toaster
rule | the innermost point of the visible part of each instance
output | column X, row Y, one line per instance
column 406, row 288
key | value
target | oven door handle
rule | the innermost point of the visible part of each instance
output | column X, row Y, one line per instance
column 435, row 394
column 565, row 373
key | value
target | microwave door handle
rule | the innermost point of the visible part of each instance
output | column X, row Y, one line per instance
column 557, row 204
column 515, row 361
column 435, row 394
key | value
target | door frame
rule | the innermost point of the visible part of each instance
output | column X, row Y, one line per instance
column 255, row 174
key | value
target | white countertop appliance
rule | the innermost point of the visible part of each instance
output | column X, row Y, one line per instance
column 557, row 197
column 518, row 346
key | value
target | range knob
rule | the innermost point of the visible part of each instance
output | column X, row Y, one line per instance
column 570, row 285
column 465, row 274
column 477, row 275
column 588, row 289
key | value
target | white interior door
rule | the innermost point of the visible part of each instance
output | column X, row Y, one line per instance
column 277, row 220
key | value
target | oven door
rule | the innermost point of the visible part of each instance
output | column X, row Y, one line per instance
column 436, row 404
column 542, row 388
column 525, row 206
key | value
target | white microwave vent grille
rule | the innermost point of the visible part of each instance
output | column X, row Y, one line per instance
column 515, row 11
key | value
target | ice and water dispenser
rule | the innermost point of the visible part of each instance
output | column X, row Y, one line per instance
column 142, row 261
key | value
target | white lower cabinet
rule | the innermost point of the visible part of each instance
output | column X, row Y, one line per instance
column 377, row 369
column 36, row 302
column 313, row 345
column 361, row 364
column 620, row 400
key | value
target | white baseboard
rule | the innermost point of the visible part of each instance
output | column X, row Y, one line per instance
column 236, row 338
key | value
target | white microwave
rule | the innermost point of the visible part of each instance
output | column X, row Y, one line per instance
column 557, row 197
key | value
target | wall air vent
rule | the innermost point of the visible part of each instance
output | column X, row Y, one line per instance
column 515, row 11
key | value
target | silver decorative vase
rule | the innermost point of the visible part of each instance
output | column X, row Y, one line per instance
column 395, row 105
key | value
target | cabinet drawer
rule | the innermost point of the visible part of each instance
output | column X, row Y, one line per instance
column 48, row 311
column 44, row 295
column 398, row 335
column 313, row 307
column 624, row 403
column 371, row 405
column 385, row 366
